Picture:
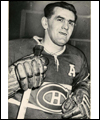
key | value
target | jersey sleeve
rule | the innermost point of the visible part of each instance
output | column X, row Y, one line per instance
column 82, row 81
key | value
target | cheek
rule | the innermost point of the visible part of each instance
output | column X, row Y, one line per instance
column 71, row 30
column 53, row 31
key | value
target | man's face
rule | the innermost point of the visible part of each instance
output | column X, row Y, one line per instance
column 60, row 26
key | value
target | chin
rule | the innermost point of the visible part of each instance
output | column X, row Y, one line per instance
column 61, row 44
column 63, row 41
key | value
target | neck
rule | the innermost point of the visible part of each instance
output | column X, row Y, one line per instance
column 50, row 46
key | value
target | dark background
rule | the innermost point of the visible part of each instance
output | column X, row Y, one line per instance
column 82, row 30
column 25, row 22
column 15, row 8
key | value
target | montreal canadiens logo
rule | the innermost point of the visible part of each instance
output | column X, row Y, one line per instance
column 51, row 96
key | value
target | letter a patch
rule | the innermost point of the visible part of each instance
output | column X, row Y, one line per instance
column 72, row 70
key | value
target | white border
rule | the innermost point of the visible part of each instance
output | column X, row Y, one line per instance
column 4, row 59
column 94, row 59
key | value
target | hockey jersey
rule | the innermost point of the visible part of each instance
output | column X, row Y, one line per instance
column 46, row 101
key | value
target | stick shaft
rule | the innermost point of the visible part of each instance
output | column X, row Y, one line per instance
column 24, row 103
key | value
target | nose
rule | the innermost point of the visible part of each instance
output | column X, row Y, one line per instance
column 65, row 25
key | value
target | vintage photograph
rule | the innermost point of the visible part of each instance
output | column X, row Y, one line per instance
column 49, row 60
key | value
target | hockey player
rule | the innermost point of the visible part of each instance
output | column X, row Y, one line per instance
column 60, row 87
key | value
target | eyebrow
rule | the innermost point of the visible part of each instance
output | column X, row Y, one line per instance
column 64, row 18
column 60, row 17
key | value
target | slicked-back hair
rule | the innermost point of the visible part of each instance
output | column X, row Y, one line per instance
column 48, row 10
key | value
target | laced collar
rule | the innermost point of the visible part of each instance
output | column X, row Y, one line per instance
column 53, row 54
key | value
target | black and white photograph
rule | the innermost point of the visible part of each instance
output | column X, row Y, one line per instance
column 49, row 60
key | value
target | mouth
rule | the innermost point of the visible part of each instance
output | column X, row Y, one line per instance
column 65, row 34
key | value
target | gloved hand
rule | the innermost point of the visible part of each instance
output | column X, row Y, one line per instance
column 77, row 106
column 28, row 72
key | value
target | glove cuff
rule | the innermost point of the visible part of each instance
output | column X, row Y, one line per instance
column 13, row 84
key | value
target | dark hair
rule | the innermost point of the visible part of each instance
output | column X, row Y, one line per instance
column 48, row 10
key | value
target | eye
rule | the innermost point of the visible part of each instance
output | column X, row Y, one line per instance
column 60, row 19
column 71, row 23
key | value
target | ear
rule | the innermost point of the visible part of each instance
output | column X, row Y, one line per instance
column 44, row 22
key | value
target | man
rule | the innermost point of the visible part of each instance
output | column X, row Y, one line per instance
column 60, row 87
